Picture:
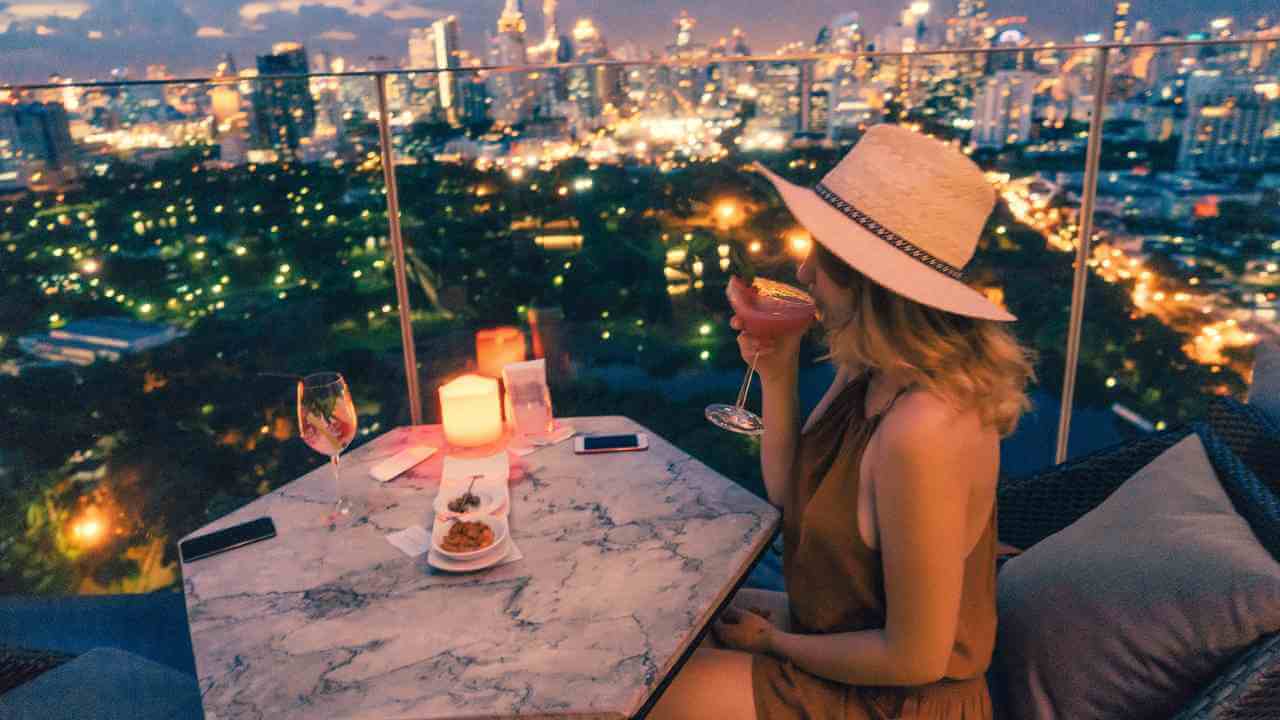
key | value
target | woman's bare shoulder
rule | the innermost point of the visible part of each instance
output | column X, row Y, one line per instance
column 923, row 424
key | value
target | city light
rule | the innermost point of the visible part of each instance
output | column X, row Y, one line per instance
column 89, row 530
column 798, row 244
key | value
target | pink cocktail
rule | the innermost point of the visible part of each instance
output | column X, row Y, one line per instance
column 765, row 309
column 768, row 308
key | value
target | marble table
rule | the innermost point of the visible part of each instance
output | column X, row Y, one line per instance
column 627, row 558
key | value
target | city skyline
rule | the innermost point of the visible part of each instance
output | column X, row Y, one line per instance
column 50, row 36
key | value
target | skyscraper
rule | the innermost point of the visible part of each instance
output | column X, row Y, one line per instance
column 1120, row 23
column 283, row 110
column 548, row 51
column 508, row 48
column 970, row 20
column 438, row 47
column 1225, row 124
column 1002, row 109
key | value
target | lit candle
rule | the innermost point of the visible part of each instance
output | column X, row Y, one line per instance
column 470, row 411
column 498, row 347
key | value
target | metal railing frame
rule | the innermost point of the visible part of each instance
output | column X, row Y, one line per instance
column 1085, row 224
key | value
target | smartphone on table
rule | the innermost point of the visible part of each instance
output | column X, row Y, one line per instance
column 629, row 442
column 226, row 539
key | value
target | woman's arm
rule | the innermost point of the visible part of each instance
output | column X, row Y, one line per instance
column 781, row 432
column 777, row 361
column 922, row 496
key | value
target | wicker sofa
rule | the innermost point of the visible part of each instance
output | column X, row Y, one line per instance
column 1035, row 507
column 1030, row 509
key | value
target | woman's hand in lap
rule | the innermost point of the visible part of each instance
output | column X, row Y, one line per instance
column 743, row 629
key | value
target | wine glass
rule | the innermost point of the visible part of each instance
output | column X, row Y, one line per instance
column 327, row 422
column 766, row 309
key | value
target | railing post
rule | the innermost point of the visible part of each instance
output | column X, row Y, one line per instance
column 1092, row 159
column 397, row 251
column 806, row 96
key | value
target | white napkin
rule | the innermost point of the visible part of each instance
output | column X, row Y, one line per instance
column 388, row 469
column 411, row 541
column 521, row 445
column 493, row 473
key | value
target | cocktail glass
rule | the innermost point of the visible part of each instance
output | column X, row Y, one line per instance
column 766, row 309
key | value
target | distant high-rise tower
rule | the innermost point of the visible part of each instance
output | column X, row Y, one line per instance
column 1002, row 109
column 438, row 47
column 508, row 48
column 283, row 110
column 1227, row 120
column 1120, row 25
column 551, row 18
column 684, row 29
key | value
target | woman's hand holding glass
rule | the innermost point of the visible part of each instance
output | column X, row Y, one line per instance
column 776, row 358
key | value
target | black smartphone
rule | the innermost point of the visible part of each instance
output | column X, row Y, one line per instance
column 226, row 539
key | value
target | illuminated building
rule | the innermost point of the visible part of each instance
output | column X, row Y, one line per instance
column 284, row 113
column 438, row 47
column 687, row 80
column 510, row 97
column 1002, row 109
column 592, row 89
column 83, row 342
column 1226, row 123
column 36, row 138
column 966, row 29
column 1120, row 23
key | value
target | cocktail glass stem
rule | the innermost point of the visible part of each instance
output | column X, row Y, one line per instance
column 746, row 383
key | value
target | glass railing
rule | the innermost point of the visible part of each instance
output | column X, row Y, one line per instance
column 241, row 226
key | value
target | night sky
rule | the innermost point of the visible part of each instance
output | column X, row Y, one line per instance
column 39, row 37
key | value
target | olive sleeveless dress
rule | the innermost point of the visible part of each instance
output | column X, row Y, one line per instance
column 835, row 584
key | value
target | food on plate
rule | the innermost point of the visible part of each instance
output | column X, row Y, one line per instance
column 467, row 536
column 464, row 502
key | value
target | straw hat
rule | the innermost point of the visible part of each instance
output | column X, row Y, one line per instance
column 906, row 211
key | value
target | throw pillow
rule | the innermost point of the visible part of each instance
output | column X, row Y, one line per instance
column 1131, row 609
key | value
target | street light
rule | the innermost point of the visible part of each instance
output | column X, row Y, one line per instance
column 919, row 8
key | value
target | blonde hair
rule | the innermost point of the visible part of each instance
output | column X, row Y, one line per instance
column 969, row 362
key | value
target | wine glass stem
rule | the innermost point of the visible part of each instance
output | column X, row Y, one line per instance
column 746, row 384
column 337, row 478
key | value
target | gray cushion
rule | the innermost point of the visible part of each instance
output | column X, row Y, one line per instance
column 105, row 684
column 1131, row 609
column 1264, row 391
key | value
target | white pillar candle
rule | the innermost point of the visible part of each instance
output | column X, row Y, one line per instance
column 471, row 411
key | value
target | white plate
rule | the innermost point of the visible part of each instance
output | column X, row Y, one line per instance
column 488, row 504
column 440, row 562
column 441, row 528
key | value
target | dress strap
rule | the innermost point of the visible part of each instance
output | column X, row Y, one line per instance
column 885, row 410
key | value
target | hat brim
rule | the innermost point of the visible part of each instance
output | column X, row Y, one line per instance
column 880, row 261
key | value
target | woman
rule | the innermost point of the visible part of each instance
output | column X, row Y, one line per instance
column 888, row 491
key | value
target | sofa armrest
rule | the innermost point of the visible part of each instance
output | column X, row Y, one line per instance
column 19, row 665
column 1247, row 689
column 1031, row 508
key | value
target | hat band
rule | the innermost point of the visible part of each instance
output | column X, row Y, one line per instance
column 885, row 233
